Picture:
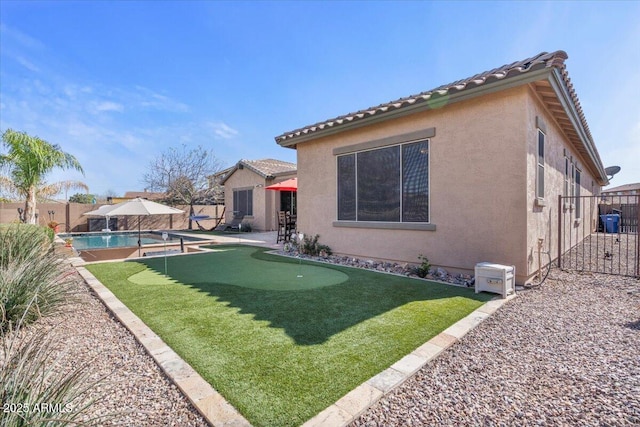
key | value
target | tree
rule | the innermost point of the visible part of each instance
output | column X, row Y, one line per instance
column 183, row 175
column 82, row 198
column 29, row 159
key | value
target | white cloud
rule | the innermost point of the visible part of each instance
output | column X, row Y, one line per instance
column 148, row 98
column 27, row 64
column 103, row 106
column 222, row 130
column 74, row 91
column 21, row 38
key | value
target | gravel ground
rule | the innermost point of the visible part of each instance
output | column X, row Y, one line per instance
column 604, row 253
column 565, row 353
column 134, row 391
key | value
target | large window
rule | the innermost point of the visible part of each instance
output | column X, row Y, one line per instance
column 243, row 202
column 540, row 167
column 389, row 184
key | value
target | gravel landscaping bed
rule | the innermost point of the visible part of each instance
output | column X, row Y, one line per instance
column 565, row 353
column 604, row 253
column 134, row 391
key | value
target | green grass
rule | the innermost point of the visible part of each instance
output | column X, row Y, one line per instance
column 281, row 348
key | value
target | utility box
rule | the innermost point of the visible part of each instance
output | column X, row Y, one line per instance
column 496, row 278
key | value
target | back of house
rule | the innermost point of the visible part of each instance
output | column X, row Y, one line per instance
column 464, row 173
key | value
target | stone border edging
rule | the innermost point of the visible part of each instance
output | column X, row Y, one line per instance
column 209, row 403
column 349, row 407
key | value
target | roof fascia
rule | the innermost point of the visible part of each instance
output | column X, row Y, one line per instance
column 246, row 166
column 277, row 174
column 458, row 96
column 231, row 172
column 562, row 93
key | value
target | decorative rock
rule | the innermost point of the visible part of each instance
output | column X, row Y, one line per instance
column 564, row 353
column 403, row 269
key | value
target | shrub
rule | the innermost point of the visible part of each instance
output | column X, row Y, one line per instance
column 310, row 246
column 31, row 376
column 37, row 387
column 82, row 198
column 423, row 269
column 33, row 280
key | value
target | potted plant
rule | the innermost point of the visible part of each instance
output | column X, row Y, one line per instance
column 68, row 242
column 54, row 225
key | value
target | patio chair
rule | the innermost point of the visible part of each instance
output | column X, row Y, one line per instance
column 235, row 223
column 292, row 227
column 282, row 227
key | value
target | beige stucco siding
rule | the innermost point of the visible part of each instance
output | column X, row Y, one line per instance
column 542, row 218
column 477, row 186
column 266, row 203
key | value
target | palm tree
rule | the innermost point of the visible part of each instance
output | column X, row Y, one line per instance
column 29, row 159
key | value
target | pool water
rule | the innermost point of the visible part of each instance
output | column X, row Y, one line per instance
column 118, row 240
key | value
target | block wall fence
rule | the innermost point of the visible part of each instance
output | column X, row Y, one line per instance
column 72, row 219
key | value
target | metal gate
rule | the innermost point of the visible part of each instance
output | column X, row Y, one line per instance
column 599, row 234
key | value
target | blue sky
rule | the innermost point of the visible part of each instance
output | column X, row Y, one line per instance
column 116, row 83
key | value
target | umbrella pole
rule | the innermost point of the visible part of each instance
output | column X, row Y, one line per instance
column 139, row 243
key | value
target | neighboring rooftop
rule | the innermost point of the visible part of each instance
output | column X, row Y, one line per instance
column 623, row 188
column 546, row 73
column 143, row 195
column 266, row 168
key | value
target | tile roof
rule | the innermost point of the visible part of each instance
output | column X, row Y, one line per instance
column 143, row 195
column 434, row 97
column 549, row 78
column 270, row 167
column 625, row 187
column 266, row 168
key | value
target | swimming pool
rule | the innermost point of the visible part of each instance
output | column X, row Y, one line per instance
column 84, row 241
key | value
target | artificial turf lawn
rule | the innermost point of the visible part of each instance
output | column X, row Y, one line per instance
column 281, row 354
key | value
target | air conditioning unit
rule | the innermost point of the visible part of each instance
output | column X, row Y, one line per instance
column 496, row 278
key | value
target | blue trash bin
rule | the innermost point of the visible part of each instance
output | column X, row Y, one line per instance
column 611, row 222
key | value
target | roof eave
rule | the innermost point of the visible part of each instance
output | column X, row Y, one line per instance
column 562, row 93
column 256, row 171
column 551, row 74
column 454, row 97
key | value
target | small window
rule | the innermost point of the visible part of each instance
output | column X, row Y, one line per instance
column 567, row 175
column 243, row 202
column 540, row 166
column 572, row 186
column 577, row 195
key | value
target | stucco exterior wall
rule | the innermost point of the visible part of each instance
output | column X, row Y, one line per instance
column 266, row 203
column 542, row 218
column 478, row 172
column 245, row 179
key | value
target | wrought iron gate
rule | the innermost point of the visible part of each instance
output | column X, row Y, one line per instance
column 599, row 234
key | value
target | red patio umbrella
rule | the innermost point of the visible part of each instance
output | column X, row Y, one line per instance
column 288, row 185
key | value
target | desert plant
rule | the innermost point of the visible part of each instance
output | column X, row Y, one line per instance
column 310, row 246
column 35, row 388
column 33, row 280
column 423, row 269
